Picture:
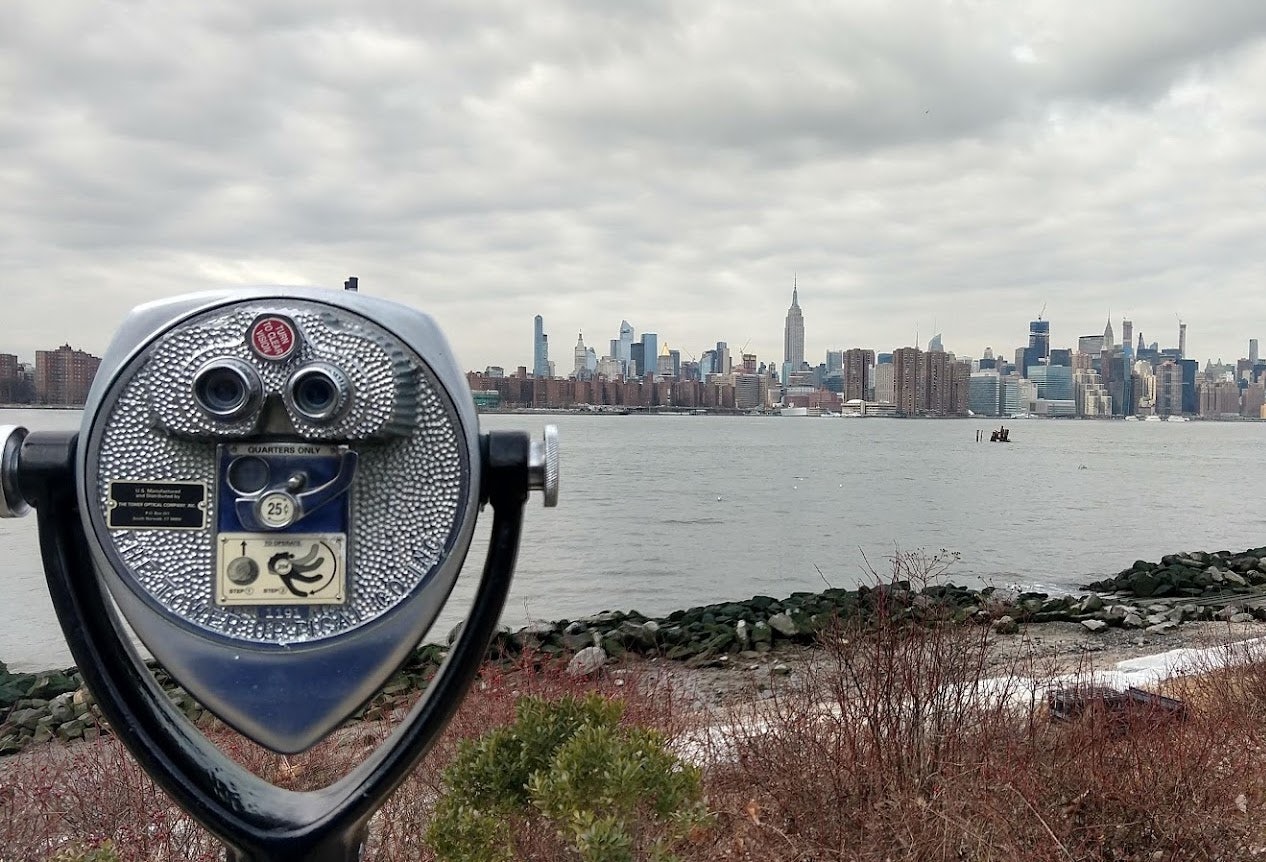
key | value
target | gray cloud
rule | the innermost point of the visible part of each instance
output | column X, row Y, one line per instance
column 955, row 164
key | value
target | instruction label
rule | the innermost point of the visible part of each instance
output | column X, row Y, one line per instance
column 156, row 506
column 281, row 569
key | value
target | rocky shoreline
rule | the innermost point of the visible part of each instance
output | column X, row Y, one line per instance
column 1155, row 598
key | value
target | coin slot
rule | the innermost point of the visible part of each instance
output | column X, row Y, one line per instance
column 248, row 474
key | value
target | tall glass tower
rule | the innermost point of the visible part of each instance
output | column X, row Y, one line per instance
column 540, row 348
column 793, row 333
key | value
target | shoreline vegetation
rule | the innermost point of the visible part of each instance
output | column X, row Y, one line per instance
column 907, row 719
column 1149, row 598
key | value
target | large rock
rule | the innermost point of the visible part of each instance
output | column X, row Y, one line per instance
column 587, row 662
column 1006, row 626
column 784, row 625
column 1094, row 625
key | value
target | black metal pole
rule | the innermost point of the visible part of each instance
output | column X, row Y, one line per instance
column 257, row 821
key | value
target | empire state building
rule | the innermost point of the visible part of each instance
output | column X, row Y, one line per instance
column 793, row 334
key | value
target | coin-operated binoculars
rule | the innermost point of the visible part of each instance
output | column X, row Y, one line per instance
column 277, row 490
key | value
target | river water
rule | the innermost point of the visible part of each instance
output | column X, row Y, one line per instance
column 665, row 512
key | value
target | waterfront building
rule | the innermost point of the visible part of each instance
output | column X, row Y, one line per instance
column 885, row 382
column 1013, row 400
column 748, row 391
column 984, row 393
column 793, row 333
column 1054, row 382
column 540, row 348
column 857, row 364
column 1091, row 398
column 1169, row 389
column 10, row 378
column 63, row 376
column 1144, row 388
column 908, row 385
column 1252, row 399
column 1219, row 398
column 936, row 382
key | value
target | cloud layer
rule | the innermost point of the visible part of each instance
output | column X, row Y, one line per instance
column 921, row 165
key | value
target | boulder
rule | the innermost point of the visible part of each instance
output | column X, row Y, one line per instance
column 1090, row 604
column 1094, row 625
column 1142, row 584
column 762, row 634
column 1132, row 621
column 1006, row 626
column 743, row 634
column 783, row 624
column 587, row 662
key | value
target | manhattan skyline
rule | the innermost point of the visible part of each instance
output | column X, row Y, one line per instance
column 914, row 164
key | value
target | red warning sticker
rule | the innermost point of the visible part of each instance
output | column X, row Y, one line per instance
column 272, row 337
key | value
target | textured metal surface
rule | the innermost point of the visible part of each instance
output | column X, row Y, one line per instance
column 406, row 503
column 543, row 465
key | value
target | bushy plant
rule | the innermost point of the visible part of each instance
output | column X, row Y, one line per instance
column 103, row 852
column 608, row 791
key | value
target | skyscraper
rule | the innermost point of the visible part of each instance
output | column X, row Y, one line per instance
column 1109, row 340
column 1252, row 351
column 1182, row 341
column 1127, row 335
column 624, row 352
column 1039, row 349
column 650, row 353
column 580, row 356
column 908, row 387
column 793, row 333
column 723, row 358
column 540, row 348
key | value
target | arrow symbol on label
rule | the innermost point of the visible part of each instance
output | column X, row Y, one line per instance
column 243, row 549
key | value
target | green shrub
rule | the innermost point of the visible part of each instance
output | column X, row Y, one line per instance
column 608, row 791
column 103, row 852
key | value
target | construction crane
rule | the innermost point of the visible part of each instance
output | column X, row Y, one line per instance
column 1043, row 311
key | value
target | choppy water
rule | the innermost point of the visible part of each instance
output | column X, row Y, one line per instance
column 658, row 513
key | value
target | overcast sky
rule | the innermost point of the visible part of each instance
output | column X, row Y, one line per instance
column 917, row 166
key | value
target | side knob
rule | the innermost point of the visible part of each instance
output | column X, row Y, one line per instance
column 543, row 465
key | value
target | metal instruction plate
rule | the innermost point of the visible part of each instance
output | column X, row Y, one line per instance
column 156, row 505
column 281, row 569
